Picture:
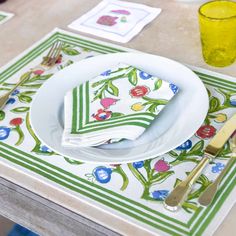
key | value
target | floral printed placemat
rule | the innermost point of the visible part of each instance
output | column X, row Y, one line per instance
column 5, row 16
column 132, row 191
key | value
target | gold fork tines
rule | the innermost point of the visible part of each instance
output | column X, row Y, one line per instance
column 54, row 53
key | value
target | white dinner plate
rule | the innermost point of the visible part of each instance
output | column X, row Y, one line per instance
column 173, row 126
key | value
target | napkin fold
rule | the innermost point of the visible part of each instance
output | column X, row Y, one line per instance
column 120, row 103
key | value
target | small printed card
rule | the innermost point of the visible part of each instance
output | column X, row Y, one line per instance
column 116, row 20
column 5, row 16
column 118, row 104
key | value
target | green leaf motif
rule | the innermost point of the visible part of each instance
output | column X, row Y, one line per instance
column 2, row 115
column 31, row 86
column 161, row 176
column 24, row 98
column 208, row 92
column 214, row 104
column 26, row 76
column 4, row 89
column 69, row 50
column 20, row 109
column 177, row 181
column 38, row 78
column 28, row 93
column 112, row 89
column 203, row 180
column 173, row 154
column 8, row 84
column 73, row 162
column 197, row 148
column 152, row 108
column 157, row 84
column 116, row 114
column 132, row 77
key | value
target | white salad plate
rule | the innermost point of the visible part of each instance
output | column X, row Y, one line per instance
column 178, row 121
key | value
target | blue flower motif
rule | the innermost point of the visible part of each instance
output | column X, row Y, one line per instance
column 233, row 102
column 106, row 73
column 11, row 101
column 102, row 174
column 138, row 164
column 44, row 148
column 4, row 132
column 218, row 167
column 16, row 91
column 144, row 75
column 89, row 56
column 160, row 194
column 174, row 88
column 186, row 145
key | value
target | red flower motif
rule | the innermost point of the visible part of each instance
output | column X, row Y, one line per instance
column 102, row 115
column 206, row 131
column 38, row 72
column 115, row 165
column 161, row 166
column 139, row 91
column 16, row 121
column 107, row 20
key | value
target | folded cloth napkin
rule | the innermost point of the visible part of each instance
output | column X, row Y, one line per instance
column 118, row 104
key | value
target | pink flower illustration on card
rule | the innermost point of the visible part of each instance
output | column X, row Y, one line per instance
column 107, row 20
column 122, row 12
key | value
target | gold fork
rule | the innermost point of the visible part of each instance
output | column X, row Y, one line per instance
column 47, row 62
column 52, row 56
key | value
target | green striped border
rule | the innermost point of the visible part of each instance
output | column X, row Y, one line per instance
column 79, row 125
column 217, row 82
column 205, row 219
column 2, row 17
column 90, row 190
column 164, row 220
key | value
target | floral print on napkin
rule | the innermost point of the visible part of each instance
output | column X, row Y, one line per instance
column 120, row 92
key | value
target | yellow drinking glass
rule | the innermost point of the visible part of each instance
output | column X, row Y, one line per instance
column 217, row 20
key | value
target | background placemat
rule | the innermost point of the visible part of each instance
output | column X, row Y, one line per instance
column 5, row 16
column 132, row 191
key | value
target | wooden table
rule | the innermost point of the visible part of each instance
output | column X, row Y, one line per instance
column 173, row 34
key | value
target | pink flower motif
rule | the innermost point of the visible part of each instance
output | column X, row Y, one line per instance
column 107, row 20
column 38, row 72
column 161, row 166
column 122, row 12
column 107, row 102
column 139, row 91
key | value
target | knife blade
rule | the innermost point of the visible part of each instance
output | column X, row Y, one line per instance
column 175, row 199
column 208, row 195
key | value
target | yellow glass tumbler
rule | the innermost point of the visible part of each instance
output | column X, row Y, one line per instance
column 217, row 20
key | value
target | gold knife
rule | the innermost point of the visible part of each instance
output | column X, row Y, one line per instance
column 208, row 195
column 174, row 201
